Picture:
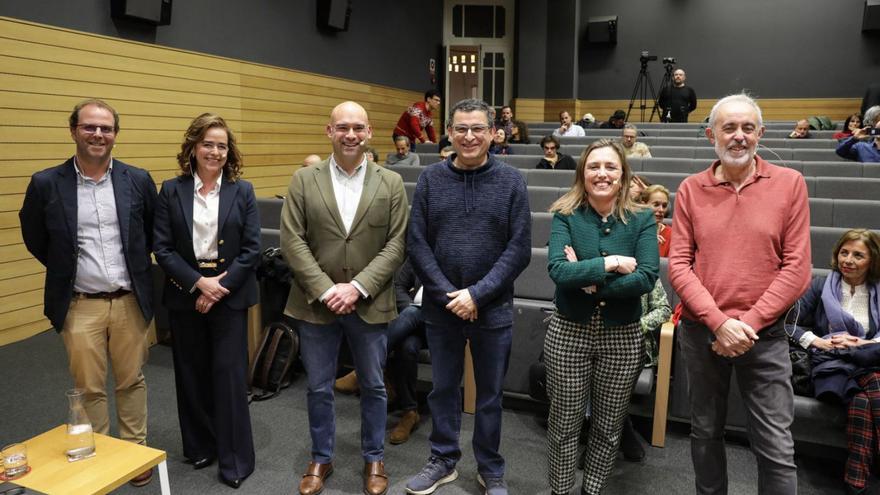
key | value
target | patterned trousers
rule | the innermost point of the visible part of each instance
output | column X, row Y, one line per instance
column 596, row 362
column 863, row 430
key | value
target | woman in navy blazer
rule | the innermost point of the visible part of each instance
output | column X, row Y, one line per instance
column 207, row 240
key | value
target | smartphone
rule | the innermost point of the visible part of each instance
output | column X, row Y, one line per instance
column 874, row 131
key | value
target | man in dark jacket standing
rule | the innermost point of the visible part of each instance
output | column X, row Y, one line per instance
column 469, row 238
column 678, row 100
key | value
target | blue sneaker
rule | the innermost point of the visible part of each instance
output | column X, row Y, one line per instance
column 434, row 474
column 492, row 486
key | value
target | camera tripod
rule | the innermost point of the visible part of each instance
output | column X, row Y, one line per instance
column 665, row 84
column 643, row 85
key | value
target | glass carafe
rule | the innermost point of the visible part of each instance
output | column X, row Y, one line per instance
column 80, row 441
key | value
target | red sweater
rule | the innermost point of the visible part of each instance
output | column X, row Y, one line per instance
column 413, row 120
column 742, row 255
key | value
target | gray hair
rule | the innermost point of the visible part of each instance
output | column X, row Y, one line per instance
column 872, row 115
column 735, row 98
column 401, row 137
column 470, row 105
column 630, row 126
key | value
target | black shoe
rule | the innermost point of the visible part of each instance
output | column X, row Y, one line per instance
column 202, row 463
column 630, row 444
column 234, row 483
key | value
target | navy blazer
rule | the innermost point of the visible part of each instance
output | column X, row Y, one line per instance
column 238, row 243
column 49, row 225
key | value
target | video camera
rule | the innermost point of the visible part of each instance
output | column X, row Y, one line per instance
column 647, row 57
column 668, row 60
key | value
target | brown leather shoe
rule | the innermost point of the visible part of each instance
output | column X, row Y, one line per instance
column 347, row 384
column 401, row 432
column 375, row 479
column 312, row 482
column 142, row 479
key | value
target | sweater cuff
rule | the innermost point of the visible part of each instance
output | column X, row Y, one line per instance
column 807, row 339
column 714, row 319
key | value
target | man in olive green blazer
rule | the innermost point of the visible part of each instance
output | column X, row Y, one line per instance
column 343, row 227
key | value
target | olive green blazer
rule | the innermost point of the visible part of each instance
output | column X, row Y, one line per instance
column 321, row 254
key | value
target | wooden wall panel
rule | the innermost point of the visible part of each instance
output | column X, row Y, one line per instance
column 278, row 115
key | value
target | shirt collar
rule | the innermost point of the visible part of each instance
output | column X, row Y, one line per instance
column 81, row 177
column 707, row 178
column 342, row 174
column 198, row 182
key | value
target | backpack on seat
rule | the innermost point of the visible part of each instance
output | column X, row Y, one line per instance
column 273, row 367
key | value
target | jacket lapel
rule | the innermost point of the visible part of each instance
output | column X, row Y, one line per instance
column 67, row 191
column 371, row 186
column 122, row 193
column 228, row 191
column 324, row 183
column 185, row 196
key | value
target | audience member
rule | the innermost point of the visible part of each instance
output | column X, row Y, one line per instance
column 417, row 121
column 100, row 301
column 218, row 255
column 403, row 156
column 371, row 154
column 468, row 265
column 602, row 257
column 657, row 197
column 567, row 128
column 677, row 101
column 851, row 123
column 636, row 186
column 616, row 121
column 553, row 159
column 519, row 133
column 445, row 152
column 630, row 144
column 801, row 130
column 588, row 121
column 343, row 255
column 406, row 337
column 738, row 266
column 499, row 144
column 841, row 313
column 505, row 121
column 311, row 160
column 864, row 145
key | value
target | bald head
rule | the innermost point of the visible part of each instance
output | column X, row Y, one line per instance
column 349, row 108
column 311, row 161
column 348, row 130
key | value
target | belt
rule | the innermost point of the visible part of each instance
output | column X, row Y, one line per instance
column 208, row 263
column 103, row 295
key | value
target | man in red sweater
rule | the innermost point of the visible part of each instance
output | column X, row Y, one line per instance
column 417, row 121
column 740, row 257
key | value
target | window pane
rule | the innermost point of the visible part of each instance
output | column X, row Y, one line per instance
column 487, row 60
column 499, row 88
column 456, row 21
column 499, row 22
column 487, row 86
column 478, row 21
column 499, row 60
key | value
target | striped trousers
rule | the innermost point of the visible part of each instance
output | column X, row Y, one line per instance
column 863, row 430
column 596, row 362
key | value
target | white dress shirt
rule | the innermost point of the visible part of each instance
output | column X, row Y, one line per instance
column 573, row 131
column 206, row 214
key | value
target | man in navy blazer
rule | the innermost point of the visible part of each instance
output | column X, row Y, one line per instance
column 90, row 222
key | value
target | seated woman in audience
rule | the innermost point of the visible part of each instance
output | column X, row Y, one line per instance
column 636, row 186
column 863, row 146
column 207, row 241
column 851, row 123
column 519, row 133
column 843, row 310
column 602, row 256
column 372, row 155
column 553, row 159
column 499, row 144
column 657, row 197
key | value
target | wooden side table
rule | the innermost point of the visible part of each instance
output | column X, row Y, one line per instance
column 115, row 463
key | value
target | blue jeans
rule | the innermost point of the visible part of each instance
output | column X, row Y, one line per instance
column 406, row 338
column 490, row 348
column 319, row 349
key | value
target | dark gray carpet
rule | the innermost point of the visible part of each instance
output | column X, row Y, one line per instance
column 35, row 375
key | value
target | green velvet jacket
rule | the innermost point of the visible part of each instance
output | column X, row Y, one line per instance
column 618, row 296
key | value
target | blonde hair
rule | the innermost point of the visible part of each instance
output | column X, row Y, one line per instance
column 577, row 196
column 648, row 191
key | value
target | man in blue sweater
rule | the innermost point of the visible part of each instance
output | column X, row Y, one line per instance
column 469, row 238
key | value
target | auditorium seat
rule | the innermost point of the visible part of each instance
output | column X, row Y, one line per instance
column 410, row 190
column 541, row 222
column 409, row 173
column 831, row 169
column 816, row 155
column 855, row 213
column 269, row 238
column 679, row 165
column 847, row 188
column 540, row 198
column 550, row 178
column 270, row 212
column 822, row 212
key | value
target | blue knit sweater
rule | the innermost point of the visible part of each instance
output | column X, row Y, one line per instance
column 470, row 229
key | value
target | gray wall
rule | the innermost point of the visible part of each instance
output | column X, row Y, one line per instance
column 388, row 42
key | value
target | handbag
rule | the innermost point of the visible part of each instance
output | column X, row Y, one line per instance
column 538, row 380
column 801, row 371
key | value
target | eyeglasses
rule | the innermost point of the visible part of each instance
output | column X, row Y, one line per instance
column 93, row 128
column 477, row 130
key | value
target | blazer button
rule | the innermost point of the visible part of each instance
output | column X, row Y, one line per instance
column 607, row 230
column 222, row 260
column 220, row 242
column 604, row 253
column 602, row 304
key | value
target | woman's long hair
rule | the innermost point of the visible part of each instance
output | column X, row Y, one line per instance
column 577, row 196
column 872, row 242
column 194, row 135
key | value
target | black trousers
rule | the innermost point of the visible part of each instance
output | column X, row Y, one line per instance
column 210, row 371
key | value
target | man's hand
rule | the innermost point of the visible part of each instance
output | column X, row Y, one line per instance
column 211, row 288
column 822, row 344
column 342, row 299
column 843, row 341
column 462, row 305
column 862, row 133
column 734, row 338
column 204, row 304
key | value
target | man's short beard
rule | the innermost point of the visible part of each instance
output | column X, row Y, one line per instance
column 743, row 161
